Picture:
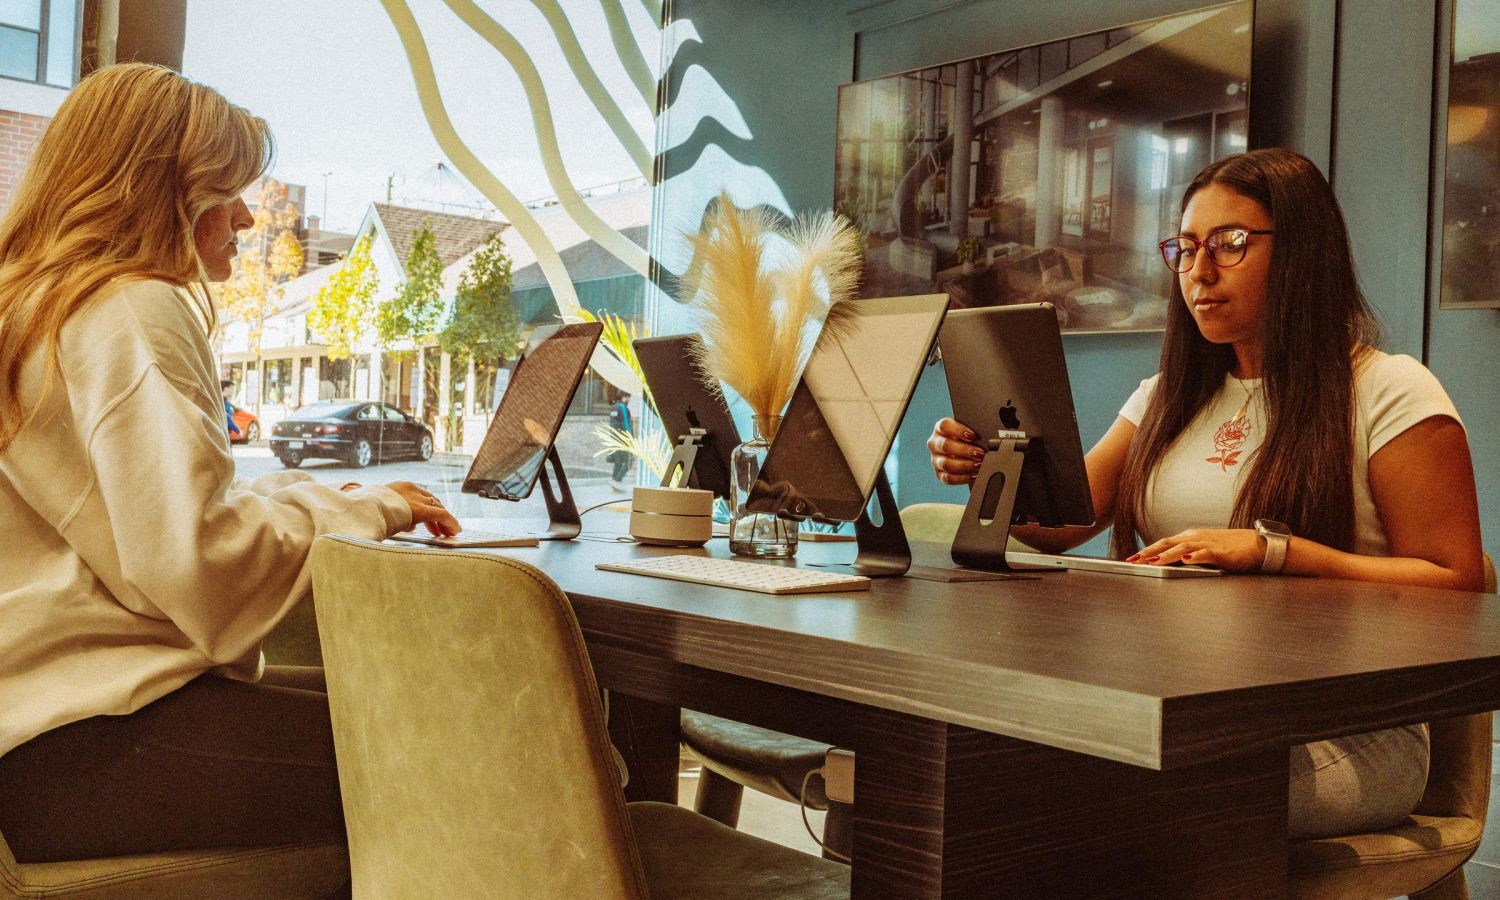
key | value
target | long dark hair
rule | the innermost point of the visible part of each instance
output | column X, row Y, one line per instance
column 1316, row 324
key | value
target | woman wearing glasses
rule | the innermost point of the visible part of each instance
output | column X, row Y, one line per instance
column 1277, row 438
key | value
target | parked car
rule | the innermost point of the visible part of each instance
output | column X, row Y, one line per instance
column 358, row 432
column 248, row 425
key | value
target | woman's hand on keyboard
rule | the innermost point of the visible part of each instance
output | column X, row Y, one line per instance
column 955, row 455
column 426, row 509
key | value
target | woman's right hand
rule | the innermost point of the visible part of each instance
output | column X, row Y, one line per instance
column 426, row 509
column 955, row 455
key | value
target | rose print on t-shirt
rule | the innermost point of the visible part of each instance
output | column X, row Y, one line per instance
column 1228, row 440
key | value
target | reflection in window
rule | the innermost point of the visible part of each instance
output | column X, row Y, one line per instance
column 1471, row 185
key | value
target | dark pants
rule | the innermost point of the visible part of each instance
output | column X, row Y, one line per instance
column 215, row 763
column 621, row 461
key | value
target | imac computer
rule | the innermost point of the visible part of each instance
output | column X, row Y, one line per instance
column 1008, row 379
column 693, row 414
column 828, row 457
column 520, row 439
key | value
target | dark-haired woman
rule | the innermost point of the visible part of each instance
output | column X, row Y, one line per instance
column 1276, row 438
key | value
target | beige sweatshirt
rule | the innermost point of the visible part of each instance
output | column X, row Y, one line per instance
column 132, row 559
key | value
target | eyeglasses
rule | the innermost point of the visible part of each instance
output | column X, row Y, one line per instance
column 1226, row 247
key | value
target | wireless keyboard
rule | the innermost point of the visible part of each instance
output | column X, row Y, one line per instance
column 743, row 576
column 469, row 538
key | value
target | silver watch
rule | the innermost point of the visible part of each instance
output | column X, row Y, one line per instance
column 1277, row 536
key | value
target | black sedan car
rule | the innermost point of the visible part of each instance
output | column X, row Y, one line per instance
column 358, row 432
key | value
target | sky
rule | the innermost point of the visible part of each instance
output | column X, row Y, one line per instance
column 331, row 79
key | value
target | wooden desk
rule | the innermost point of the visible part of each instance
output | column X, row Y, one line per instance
column 1081, row 735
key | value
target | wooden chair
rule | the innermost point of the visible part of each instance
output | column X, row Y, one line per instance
column 296, row 872
column 472, row 752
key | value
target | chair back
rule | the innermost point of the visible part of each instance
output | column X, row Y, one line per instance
column 1458, row 777
column 11, row 882
column 471, row 745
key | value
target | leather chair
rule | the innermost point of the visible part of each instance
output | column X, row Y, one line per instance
column 294, row 871
column 472, row 752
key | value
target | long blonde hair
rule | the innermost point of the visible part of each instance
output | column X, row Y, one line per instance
column 136, row 154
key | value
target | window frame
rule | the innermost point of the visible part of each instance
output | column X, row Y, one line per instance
column 43, row 31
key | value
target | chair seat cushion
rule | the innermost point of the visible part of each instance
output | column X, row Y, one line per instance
column 690, row 857
column 768, row 761
column 289, row 871
column 1383, row 864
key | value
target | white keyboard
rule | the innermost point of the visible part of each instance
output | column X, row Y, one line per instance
column 743, row 576
column 468, row 538
column 1112, row 566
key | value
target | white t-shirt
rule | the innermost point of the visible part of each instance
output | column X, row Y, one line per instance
column 1195, row 483
column 133, row 559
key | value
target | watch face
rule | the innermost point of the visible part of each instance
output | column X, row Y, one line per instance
column 1271, row 526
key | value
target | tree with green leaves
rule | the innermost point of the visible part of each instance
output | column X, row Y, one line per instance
column 416, row 312
column 344, row 310
column 269, row 256
column 483, row 323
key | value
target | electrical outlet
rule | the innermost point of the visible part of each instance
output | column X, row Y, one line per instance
column 838, row 775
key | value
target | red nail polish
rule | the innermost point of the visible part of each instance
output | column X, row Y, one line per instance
column 969, row 436
column 1133, row 557
column 1153, row 559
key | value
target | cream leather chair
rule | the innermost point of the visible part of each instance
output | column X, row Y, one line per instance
column 472, row 751
column 295, row 872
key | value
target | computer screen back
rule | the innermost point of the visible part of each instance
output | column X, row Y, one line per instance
column 846, row 410
column 685, row 401
column 1006, row 371
column 532, row 410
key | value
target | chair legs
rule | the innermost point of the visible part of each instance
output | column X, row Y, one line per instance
column 718, row 797
column 1454, row 887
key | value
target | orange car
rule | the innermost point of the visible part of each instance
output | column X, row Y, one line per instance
column 248, row 425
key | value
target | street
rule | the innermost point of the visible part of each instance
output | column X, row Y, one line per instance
column 443, row 475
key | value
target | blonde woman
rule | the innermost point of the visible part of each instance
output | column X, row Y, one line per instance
column 138, row 576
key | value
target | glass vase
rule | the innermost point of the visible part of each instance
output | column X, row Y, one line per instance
column 750, row 533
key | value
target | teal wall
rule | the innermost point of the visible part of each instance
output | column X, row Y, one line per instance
column 1350, row 83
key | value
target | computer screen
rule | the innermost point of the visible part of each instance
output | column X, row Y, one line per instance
column 532, row 410
column 847, row 408
column 685, row 401
column 1006, row 371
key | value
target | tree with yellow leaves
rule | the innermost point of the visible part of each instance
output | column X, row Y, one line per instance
column 269, row 256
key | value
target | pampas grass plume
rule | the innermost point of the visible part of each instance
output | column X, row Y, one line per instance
column 760, row 303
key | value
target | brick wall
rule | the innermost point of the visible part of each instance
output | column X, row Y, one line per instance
column 18, row 134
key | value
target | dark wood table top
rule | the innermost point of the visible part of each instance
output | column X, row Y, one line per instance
column 1154, row 672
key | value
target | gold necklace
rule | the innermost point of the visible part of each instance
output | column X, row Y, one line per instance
column 1249, row 395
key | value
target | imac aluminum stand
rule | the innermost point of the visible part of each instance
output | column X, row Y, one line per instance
column 565, row 523
column 883, row 550
column 985, row 528
column 684, row 455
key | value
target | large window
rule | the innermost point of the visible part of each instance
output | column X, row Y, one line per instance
column 39, row 40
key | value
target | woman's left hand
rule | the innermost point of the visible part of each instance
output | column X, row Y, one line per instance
column 1230, row 549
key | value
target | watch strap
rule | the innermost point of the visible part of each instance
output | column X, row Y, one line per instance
column 1276, row 546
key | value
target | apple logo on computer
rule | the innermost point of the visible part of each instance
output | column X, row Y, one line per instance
column 1008, row 418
